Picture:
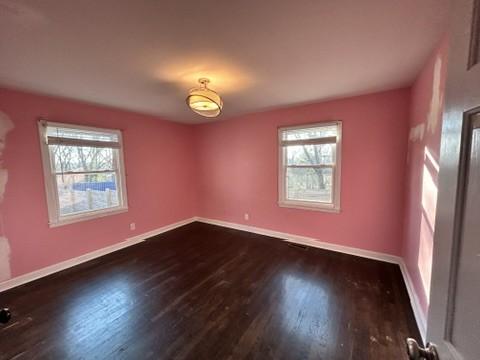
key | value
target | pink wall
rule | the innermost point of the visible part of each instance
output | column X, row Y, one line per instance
column 224, row 169
column 422, row 170
column 239, row 158
column 159, row 166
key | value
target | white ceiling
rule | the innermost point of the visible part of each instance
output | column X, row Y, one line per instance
column 144, row 55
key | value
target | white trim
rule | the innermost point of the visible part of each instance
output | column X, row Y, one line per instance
column 78, row 127
column 304, row 240
column 37, row 274
column 420, row 316
column 50, row 180
column 55, row 140
column 291, row 204
column 313, row 141
column 88, row 215
column 334, row 206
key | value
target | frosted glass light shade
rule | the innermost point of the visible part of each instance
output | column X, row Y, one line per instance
column 204, row 101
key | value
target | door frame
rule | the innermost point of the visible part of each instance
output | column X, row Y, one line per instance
column 462, row 99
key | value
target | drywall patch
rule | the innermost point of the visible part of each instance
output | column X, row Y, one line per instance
column 436, row 101
column 5, row 272
column 417, row 133
column 3, row 181
column 5, row 126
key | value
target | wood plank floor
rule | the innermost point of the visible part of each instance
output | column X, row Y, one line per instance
column 206, row 292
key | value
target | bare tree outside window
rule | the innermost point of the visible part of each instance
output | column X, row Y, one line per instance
column 309, row 165
column 84, row 170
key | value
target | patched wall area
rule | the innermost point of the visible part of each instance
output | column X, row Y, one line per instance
column 6, row 125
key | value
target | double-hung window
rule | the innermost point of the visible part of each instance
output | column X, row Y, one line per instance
column 309, row 166
column 84, row 172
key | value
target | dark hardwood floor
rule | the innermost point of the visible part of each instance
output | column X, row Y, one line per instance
column 206, row 292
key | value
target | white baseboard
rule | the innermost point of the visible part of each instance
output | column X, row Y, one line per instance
column 304, row 240
column 23, row 279
column 420, row 315
column 417, row 309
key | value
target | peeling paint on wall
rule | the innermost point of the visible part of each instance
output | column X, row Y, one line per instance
column 417, row 133
column 5, row 126
column 436, row 101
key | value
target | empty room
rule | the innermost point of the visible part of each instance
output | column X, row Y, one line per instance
column 240, row 179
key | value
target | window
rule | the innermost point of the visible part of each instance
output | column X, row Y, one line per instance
column 84, row 172
column 309, row 169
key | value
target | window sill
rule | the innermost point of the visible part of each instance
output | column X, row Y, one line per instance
column 309, row 206
column 87, row 216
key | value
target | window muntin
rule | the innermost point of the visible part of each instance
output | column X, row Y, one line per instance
column 309, row 171
column 84, row 172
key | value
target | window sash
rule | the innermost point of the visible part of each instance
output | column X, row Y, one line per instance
column 78, row 213
column 54, row 140
column 315, row 161
column 93, row 172
column 115, row 162
column 284, row 200
column 312, row 166
column 332, row 167
column 316, row 141
column 50, row 174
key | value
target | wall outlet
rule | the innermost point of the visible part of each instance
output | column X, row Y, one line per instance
column 246, row 216
column 132, row 226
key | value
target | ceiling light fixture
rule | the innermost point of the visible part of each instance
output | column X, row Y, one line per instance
column 204, row 101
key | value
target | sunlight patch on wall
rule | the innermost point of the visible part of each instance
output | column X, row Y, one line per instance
column 427, row 225
column 434, row 113
column 425, row 255
column 429, row 187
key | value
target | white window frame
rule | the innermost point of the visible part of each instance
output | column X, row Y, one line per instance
column 334, row 206
column 50, row 179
